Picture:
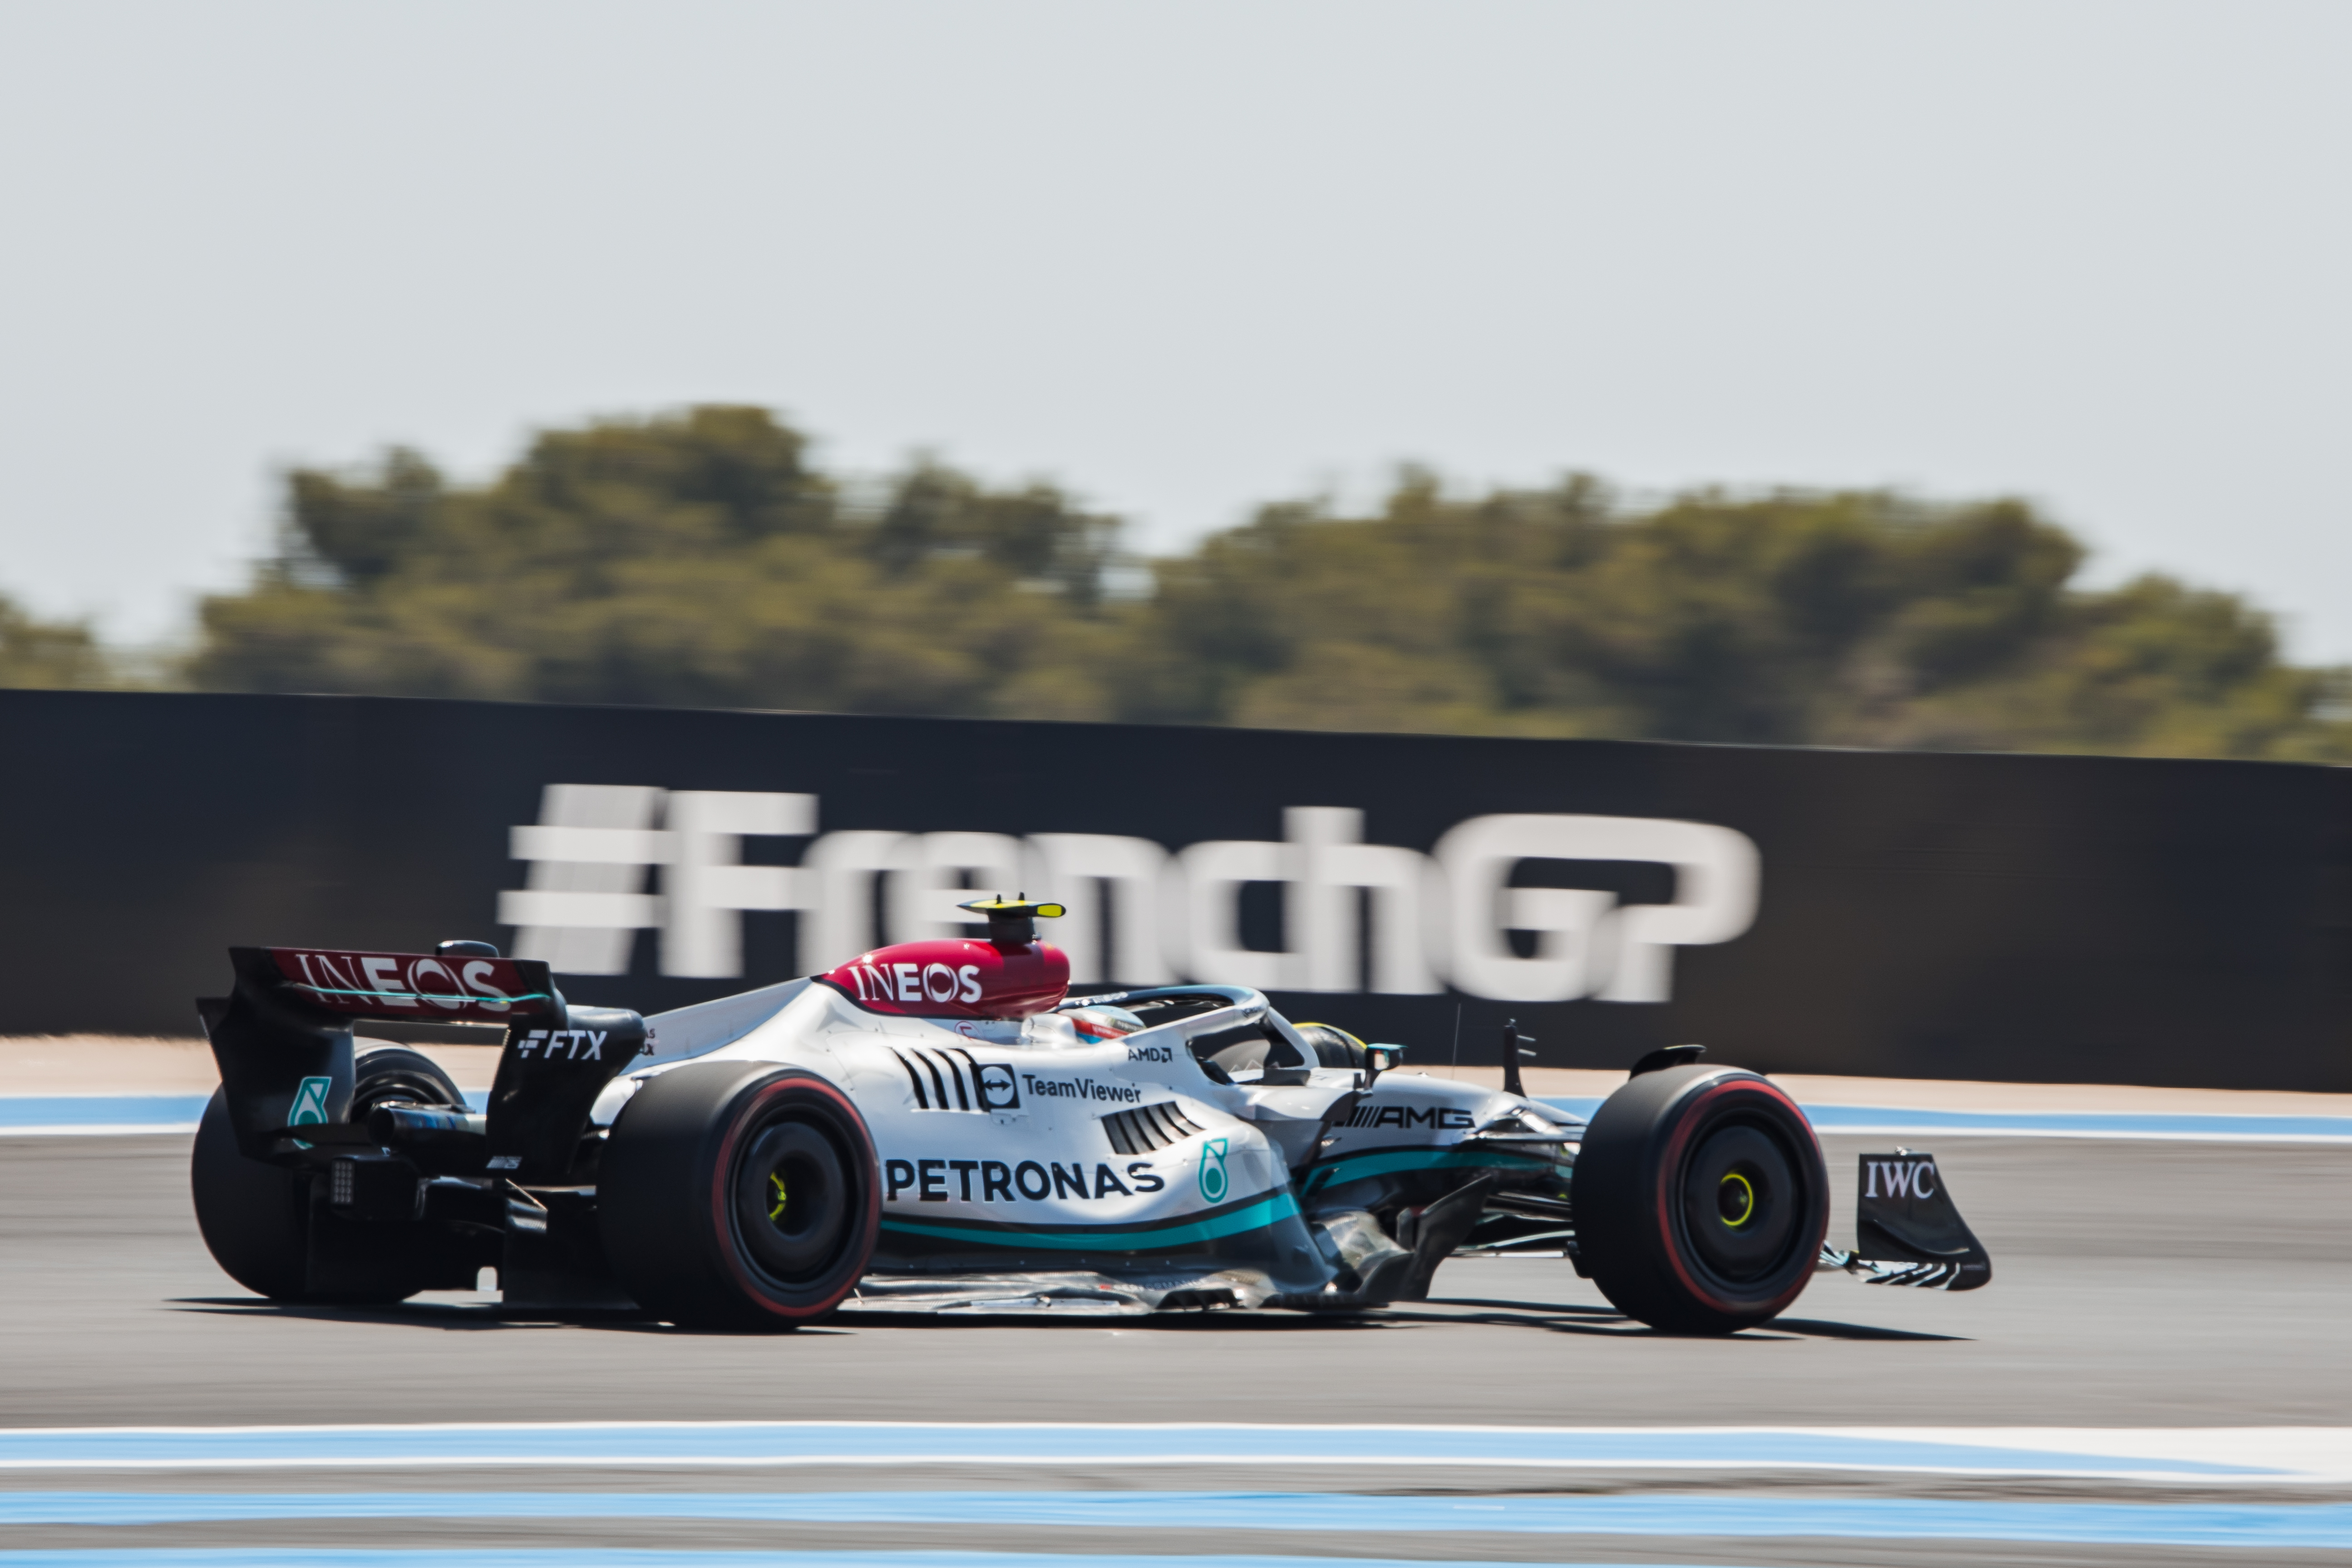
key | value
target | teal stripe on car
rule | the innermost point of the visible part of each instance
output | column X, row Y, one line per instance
column 1386, row 1161
column 1269, row 1210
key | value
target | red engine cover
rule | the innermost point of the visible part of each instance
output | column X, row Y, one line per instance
column 955, row 979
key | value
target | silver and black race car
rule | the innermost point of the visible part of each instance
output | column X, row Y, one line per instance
column 939, row 1126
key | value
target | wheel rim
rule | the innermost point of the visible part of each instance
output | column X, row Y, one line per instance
column 1742, row 1199
column 791, row 1201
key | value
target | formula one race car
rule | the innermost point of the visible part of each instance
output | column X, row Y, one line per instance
column 940, row 1126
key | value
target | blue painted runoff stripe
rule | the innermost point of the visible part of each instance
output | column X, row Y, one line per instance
column 2274, row 1526
column 67, row 1113
column 118, row 1113
column 346, row 1557
column 1897, row 1121
column 2082, row 1124
column 753, row 1443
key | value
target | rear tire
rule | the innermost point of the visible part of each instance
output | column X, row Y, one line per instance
column 384, row 1072
column 1701, row 1199
column 257, row 1218
column 738, row 1194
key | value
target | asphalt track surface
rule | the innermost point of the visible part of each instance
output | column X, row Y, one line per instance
column 2137, row 1284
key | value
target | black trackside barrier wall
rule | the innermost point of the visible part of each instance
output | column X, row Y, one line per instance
column 1986, row 917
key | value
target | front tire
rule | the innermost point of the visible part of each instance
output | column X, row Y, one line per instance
column 738, row 1194
column 1701, row 1199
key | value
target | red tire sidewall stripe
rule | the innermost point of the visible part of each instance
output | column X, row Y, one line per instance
column 723, row 1228
column 1690, row 1118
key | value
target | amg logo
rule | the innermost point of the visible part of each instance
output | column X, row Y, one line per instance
column 1002, row 1183
column 1902, row 1178
column 1408, row 1116
column 575, row 1044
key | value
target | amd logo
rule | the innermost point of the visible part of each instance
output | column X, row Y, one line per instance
column 1138, row 913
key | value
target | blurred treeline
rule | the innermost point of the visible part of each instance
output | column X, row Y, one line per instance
column 701, row 560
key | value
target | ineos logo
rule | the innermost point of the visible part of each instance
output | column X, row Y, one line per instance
column 915, row 983
column 346, row 979
column 1904, row 1178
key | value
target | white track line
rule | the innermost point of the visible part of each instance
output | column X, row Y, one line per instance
column 2198, row 1456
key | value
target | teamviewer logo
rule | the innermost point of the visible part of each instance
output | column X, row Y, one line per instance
column 999, row 1089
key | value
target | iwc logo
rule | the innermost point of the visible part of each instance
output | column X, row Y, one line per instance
column 1213, row 1169
column 1904, row 1178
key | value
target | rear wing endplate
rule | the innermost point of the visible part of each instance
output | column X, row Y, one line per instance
column 283, row 1041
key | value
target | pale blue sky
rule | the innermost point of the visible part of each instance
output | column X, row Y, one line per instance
column 1184, row 257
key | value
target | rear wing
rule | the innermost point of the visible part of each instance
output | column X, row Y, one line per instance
column 412, row 987
column 283, row 1040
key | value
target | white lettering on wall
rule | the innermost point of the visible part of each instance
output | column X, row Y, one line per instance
column 1139, row 915
column 706, row 885
column 842, row 926
column 1330, row 865
column 1102, row 880
column 1586, row 943
column 584, row 899
column 934, row 872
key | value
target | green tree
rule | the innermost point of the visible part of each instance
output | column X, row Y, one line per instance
column 49, row 655
column 700, row 559
column 1848, row 619
column 692, row 560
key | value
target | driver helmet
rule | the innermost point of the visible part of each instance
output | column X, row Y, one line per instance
column 1098, row 1023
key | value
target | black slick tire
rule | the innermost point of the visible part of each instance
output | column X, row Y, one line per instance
column 1701, row 1199
column 738, row 1195
column 384, row 1072
column 255, row 1217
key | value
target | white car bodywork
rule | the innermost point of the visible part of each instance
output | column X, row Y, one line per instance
column 1025, row 1165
